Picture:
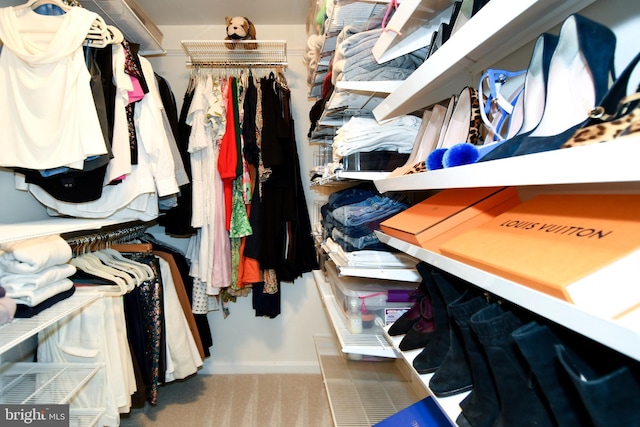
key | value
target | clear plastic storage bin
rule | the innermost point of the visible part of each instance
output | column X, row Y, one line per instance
column 369, row 294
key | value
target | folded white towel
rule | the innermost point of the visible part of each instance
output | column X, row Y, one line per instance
column 34, row 255
column 30, row 282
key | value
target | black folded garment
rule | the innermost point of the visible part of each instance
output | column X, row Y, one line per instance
column 24, row 311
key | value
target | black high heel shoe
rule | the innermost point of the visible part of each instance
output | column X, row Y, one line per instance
column 579, row 75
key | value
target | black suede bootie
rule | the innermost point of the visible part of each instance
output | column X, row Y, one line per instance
column 612, row 397
column 410, row 317
column 521, row 402
column 537, row 344
column 481, row 407
column 442, row 292
column 422, row 331
column 454, row 374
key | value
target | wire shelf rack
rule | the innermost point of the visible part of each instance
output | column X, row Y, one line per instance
column 226, row 53
column 41, row 383
column 18, row 330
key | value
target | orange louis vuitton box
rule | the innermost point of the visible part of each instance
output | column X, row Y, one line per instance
column 582, row 248
column 449, row 213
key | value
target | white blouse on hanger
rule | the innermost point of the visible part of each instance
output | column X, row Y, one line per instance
column 136, row 197
column 47, row 113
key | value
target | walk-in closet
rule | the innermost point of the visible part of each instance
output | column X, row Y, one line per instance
column 319, row 213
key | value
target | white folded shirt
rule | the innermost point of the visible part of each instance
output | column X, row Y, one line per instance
column 33, row 298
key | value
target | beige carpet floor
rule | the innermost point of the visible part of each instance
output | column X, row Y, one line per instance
column 267, row 400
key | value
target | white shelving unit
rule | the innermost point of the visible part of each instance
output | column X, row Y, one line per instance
column 343, row 12
column 341, row 175
column 363, row 394
column 42, row 383
column 595, row 165
column 605, row 331
column 410, row 28
column 225, row 53
column 498, row 30
column 19, row 330
column 32, row 229
column 404, row 274
column 450, row 405
column 49, row 383
column 371, row 343
column 131, row 20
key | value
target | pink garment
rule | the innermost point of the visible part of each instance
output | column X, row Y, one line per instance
column 137, row 93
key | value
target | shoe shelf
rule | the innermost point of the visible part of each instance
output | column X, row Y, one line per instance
column 497, row 30
column 410, row 28
column 450, row 405
column 44, row 383
column 366, row 344
column 624, row 338
column 342, row 13
column 19, row 330
column 606, row 163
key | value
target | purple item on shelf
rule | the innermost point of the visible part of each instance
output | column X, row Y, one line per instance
column 399, row 295
column 7, row 310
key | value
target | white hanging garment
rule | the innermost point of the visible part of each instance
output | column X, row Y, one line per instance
column 47, row 103
column 182, row 348
column 87, row 337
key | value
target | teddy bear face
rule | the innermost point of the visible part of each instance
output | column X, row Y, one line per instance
column 237, row 28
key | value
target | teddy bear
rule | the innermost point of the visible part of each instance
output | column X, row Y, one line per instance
column 240, row 28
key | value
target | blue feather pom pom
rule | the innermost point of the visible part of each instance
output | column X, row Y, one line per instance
column 434, row 159
column 460, row 154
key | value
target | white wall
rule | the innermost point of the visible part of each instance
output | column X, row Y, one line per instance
column 243, row 343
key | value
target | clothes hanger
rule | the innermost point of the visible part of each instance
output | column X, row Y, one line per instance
column 107, row 259
column 33, row 4
column 98, row 35
column 92, row 263
column 117, row 259
column 97, row 267
column 116, row 35
column 87, row 264
column 281, row 77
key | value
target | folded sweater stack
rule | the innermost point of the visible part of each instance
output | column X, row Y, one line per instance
column 34, row 274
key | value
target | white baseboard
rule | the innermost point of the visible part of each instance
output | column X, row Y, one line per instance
column 213, row 368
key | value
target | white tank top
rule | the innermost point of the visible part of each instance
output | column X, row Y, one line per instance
column 47, row 113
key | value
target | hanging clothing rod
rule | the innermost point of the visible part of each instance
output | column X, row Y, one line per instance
column 229, row 54
column 88, row 241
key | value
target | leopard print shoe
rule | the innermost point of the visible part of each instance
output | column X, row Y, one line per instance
column 633, row 130
column 609, row 130
column 465, row 122
column 616, row 115
column 417, row 168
